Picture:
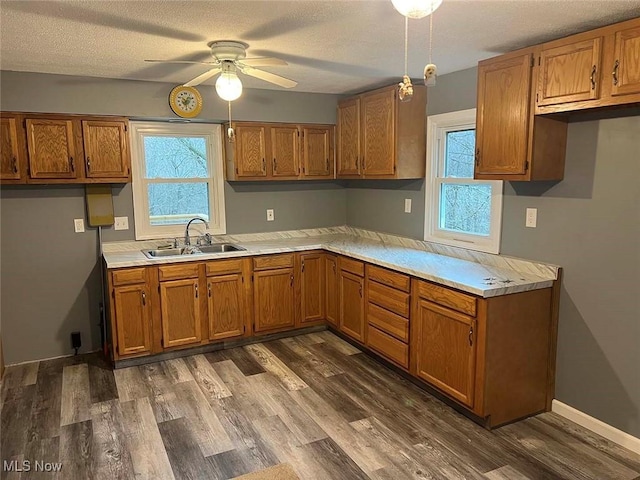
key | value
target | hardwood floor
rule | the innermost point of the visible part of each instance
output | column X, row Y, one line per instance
column 312, row 401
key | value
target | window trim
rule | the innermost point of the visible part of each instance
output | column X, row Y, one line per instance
column 213, row 134
column 437, row 127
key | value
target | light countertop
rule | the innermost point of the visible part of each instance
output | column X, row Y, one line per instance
column 469, row 276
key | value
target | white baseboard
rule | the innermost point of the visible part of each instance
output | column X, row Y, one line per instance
column 603, row 429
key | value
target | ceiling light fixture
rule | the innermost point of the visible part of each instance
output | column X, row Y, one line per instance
column 416, row 8
column 228, row 85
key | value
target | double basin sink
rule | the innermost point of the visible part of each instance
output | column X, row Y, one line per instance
column 192, row 250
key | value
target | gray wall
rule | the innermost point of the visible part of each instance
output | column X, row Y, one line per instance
column 49, row 292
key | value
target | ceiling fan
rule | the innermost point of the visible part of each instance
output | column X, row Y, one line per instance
column 230, row 57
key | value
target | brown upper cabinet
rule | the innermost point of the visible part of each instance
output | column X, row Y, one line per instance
column 594, row 69
column 512, row 143
column 280, row 151
column 106, row 153
column 50, row 148
column 11, row 160
column 381, row 137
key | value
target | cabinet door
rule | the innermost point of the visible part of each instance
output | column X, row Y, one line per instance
column 312, row 286
column 570, row 73
column 502, row 124
column 250, row 151
column 226, row 306
column 285, row 151
column 445, row 350
column 352, row 305
column 317, row 152
column 378, row 132
column 133, row 319
column 348, row 143
column 626, row 66
column 51, row 148
column 180, row 312
column 10, row 158
column 106, row 153
column 274, row 299
column 331, row 279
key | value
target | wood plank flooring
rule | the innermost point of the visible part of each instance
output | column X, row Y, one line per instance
column 312, row 401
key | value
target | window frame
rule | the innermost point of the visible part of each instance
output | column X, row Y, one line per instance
column 215, row 181
column 437, row 128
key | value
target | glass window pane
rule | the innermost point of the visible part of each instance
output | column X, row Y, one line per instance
column 459, row 154
column 177, row 203
column 465, row 208
column 175, row 157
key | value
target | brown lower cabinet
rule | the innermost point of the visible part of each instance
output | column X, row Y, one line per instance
column 491, row 356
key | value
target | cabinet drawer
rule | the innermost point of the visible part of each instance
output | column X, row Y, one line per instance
column 389, row 298
column 389, row 278
column 353, row 266
column 173, row 272
column 273, row 261
column 129, row 276
column 389, row 347
column 223, row 267
column 388, row 322
column 449, row 298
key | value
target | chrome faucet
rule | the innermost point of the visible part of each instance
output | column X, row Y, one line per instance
column 187, row 240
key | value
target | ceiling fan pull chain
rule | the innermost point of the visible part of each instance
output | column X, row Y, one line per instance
column 231, row 134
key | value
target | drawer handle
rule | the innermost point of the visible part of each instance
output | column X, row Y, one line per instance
column 593, row 78
column 196, row 285
column 615, row 72
column 471, row 335
column 144, row 298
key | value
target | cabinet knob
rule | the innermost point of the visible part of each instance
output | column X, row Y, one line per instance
column 303, row 265
column 71, row 165
column 360, row 290
column 471, row 335
column 196, row 285
column 291, row 280
column 88, row 164
column 209, row 289
column 593, row 78
column 144, row 297
column 275, row 164
column 477, row 157
column 264, row 165
column 615, row 72
column 14, row 164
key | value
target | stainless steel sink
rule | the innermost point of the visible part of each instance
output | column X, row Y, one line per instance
column 195, row 250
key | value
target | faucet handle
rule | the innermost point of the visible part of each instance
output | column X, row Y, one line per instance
column 175, row 243
column 207, row 238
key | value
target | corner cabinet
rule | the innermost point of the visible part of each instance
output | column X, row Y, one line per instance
column 61, row 149
column 512, row 143
column 279, row 151
column 381, row 137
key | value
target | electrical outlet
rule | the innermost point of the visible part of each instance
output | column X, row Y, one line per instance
column 532, row 217
column 270, row 215
column 407, row 205
column 78, row 225
column 121, row 223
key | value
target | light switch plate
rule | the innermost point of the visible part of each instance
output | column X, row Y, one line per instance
column 78, row 225
column 532, row 218
column 407, row 205
column 121, row 223
column 270, row 215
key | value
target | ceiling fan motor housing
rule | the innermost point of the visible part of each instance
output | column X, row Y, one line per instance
column 228, row 50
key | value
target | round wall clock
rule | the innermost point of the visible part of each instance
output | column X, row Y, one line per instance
column 185, row 102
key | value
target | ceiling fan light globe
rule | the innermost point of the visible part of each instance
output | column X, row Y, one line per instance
column 416, row 8
column 229, row 86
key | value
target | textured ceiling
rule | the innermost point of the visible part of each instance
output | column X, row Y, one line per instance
column 331, row 46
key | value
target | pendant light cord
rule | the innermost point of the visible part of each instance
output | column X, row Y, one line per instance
column 431, row 37
column 406, row 46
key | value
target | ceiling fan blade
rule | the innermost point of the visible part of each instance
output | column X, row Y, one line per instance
column 181, row 61
column 263, row 62
column 203, row 77
column 269, row 77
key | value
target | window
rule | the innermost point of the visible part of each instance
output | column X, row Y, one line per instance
column 177, row 175
column 460, row 211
